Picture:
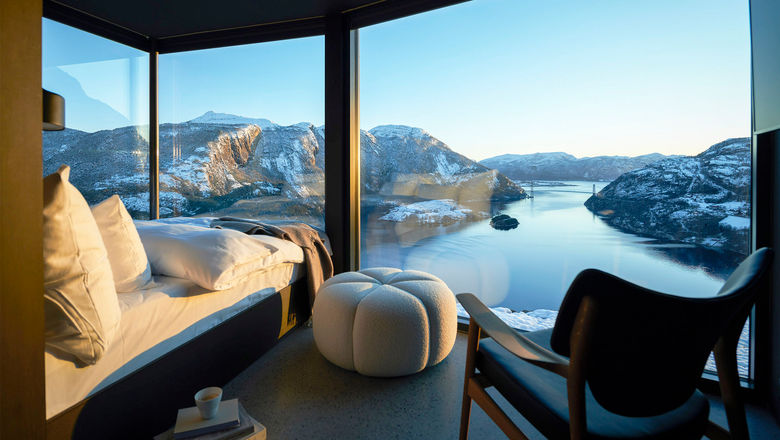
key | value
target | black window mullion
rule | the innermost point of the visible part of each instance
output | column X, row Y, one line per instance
column 154, row 135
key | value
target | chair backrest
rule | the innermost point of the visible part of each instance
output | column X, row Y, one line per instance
column 649, row 349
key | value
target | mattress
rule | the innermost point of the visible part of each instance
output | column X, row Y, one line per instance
column 156, row 320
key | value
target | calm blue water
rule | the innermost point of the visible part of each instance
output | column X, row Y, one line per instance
column 532, row 266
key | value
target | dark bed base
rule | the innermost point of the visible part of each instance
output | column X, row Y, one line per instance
column 144, row 403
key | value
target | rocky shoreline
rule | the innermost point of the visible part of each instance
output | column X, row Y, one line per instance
column 702, row 200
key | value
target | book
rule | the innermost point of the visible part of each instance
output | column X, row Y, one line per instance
column 258, row 433
column 189, row 423
column 248, row 429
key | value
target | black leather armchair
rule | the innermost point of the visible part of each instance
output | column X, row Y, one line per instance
column 621, row 362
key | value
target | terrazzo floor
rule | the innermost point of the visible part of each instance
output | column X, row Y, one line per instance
column 297, row 394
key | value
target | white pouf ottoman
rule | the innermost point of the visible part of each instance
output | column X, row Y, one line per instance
column 384, row 321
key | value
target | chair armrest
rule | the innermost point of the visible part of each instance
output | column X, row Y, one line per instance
column 512, row 340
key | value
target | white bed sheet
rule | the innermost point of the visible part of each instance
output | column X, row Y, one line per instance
column 155, row 321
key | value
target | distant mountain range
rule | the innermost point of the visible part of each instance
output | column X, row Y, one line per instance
column 702, row 199
column 82, row 110
column 564, row 166
column 225, row 164
column 221, row 163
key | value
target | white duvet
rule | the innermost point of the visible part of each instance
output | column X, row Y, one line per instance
column 171, row 311
column 156, row 320
column 215, row 259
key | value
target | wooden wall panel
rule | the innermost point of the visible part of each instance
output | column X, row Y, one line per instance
column 22, row 410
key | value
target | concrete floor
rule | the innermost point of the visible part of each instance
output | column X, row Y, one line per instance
column 297, row 394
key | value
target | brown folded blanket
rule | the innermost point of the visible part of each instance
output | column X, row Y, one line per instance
column 319, row 266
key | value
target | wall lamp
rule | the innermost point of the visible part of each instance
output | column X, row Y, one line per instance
column 53, row 111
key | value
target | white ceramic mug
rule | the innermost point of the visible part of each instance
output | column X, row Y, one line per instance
column 207, row 400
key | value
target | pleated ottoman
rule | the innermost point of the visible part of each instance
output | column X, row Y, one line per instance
column 384, row 322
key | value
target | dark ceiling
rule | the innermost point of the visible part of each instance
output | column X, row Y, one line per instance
column 171, row 18
column 165, row 26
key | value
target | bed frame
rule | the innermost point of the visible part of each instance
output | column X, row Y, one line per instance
column 144, row 403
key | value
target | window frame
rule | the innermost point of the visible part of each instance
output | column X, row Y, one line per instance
column 342, row 212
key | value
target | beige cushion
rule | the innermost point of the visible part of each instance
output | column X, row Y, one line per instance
column 82, row 309
column 125, row 251
column 384, row 321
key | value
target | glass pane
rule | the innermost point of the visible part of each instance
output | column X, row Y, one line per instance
column 241, row 131
column 106, row 90
column 551, row 138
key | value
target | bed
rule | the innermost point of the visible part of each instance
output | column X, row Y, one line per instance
column 174, row 338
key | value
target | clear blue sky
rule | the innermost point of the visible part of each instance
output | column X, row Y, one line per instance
column 283, row 81
column 487, row 77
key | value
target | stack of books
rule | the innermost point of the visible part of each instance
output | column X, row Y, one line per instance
column 232, row 422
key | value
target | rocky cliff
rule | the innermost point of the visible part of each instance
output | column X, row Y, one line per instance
column 224, row 163
column 703, row 199
column 400, row 160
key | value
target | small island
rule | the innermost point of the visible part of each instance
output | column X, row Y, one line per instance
column 503, row 222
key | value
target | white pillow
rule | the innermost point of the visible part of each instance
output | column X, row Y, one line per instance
column 82, row 309
column 125, row 251
column 215, row 259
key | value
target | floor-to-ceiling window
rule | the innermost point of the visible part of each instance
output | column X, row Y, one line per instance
column 106, row 89
column 241, row 131
column 509, row 145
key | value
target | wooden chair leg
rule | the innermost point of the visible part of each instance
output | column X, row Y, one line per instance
column 471, row 353
column 500, row 418
column 465, row 414
column 728, row 375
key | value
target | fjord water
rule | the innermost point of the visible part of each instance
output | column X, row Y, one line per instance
column 531, row 267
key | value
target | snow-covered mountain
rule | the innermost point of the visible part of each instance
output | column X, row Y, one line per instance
column 564, row 166
column 400, row 160
column 211, row 117
column 224, row 163
column 703, row 199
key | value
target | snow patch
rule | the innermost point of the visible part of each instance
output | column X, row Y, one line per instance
column 444, row 167
column 527, row 321
column 398, row 131
column 117, row 181
column 430, row 211
column 735, row 223
column 263, row 188
column 168, row 200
